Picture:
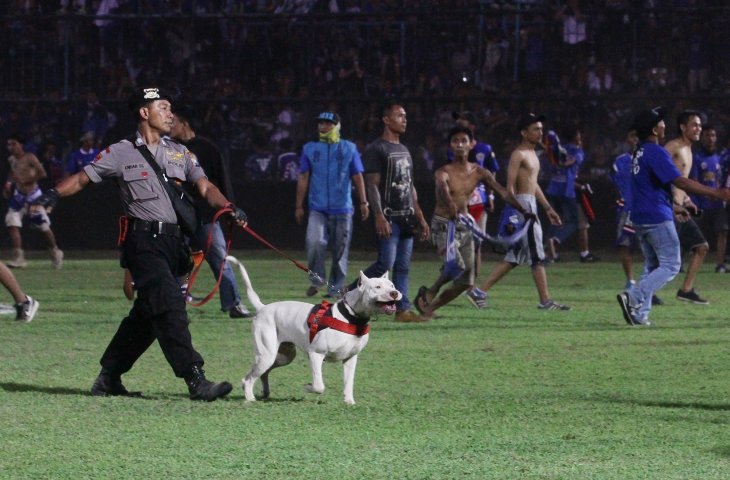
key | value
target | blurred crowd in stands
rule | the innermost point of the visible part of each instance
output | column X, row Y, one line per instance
column 257, row 71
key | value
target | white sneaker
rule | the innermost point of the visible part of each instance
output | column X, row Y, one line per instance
column 18, row 260
column 56, row 258
column 26, row 310
column 477, row 297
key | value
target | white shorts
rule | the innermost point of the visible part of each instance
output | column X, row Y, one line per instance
column 529, row 249
column 20, row 209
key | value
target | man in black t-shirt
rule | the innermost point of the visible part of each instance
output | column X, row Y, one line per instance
column 394, row 203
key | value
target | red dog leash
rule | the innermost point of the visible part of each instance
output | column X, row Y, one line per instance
column 312, row 275
column 209, row 242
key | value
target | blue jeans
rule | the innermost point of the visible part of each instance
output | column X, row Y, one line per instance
column 333, row 233
column 662, row 260
column 394, row 253
column 214, row 256
column 568, row 210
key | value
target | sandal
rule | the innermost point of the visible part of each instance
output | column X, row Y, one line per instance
column 421, row 296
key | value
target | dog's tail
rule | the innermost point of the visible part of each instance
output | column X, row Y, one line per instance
column 250, row 293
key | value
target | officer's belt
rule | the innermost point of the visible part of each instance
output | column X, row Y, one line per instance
column 157, row 228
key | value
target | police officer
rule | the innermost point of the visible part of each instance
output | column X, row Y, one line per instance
column 153, row 246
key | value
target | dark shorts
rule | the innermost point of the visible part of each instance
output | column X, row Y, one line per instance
column 690, row 235
column 714, row 220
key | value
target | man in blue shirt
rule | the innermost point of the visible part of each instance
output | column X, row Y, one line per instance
column 652, row 212
column 707, row 169
column 327, row 170
column 625, row 234
column 78, row 159
column 561, row 191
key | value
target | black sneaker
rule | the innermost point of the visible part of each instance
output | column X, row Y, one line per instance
column 239, row 311
column 656, row 300
column 201, row 388
column 311, row 291
column 108, row 385
column 691, row 297
column 590, row 258
column 26, row 310
column 626, row 309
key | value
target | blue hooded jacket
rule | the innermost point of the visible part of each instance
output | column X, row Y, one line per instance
column 331, row 167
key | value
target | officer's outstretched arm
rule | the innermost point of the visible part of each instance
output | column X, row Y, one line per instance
column 66, row 187
column 73, row 184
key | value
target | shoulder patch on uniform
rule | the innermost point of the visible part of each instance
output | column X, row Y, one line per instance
column 193, row 158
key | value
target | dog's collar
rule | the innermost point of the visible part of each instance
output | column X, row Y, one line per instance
column 349, row 313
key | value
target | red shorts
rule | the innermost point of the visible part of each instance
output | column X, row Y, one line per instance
column 476, row 211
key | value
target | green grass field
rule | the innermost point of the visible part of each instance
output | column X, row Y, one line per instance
column 510, row 392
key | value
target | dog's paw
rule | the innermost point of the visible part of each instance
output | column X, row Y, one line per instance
column 309, row 388
column 248, row 391
column 349, row 401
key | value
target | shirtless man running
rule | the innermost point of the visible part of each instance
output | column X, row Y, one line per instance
column 522, row 183
column 455, row 182
column 691, row 238
column 22, row 189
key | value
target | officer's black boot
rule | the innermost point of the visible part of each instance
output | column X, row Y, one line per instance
column 203, row 389
column 108, row 384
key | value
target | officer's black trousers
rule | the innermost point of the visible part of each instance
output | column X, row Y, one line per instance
column 159, row 310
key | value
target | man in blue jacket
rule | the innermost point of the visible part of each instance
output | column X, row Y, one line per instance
column 327, row 170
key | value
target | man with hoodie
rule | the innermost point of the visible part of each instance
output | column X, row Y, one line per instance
column 327, row 169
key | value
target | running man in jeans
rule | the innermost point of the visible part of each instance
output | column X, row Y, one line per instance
column 653, row 176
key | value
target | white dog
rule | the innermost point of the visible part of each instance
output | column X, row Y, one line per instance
column 339, row 334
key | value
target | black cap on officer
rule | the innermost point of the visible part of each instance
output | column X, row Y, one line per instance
column 142, row 96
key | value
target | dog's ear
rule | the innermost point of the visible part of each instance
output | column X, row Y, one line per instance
column 361, row 279
column 385, row 276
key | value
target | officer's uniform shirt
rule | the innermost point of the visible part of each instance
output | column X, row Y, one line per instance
column 143, row 196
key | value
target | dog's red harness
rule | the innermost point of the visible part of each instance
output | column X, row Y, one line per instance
column 321, row 317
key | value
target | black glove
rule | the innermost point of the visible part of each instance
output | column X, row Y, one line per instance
column 237, row 214
column 48, row 199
